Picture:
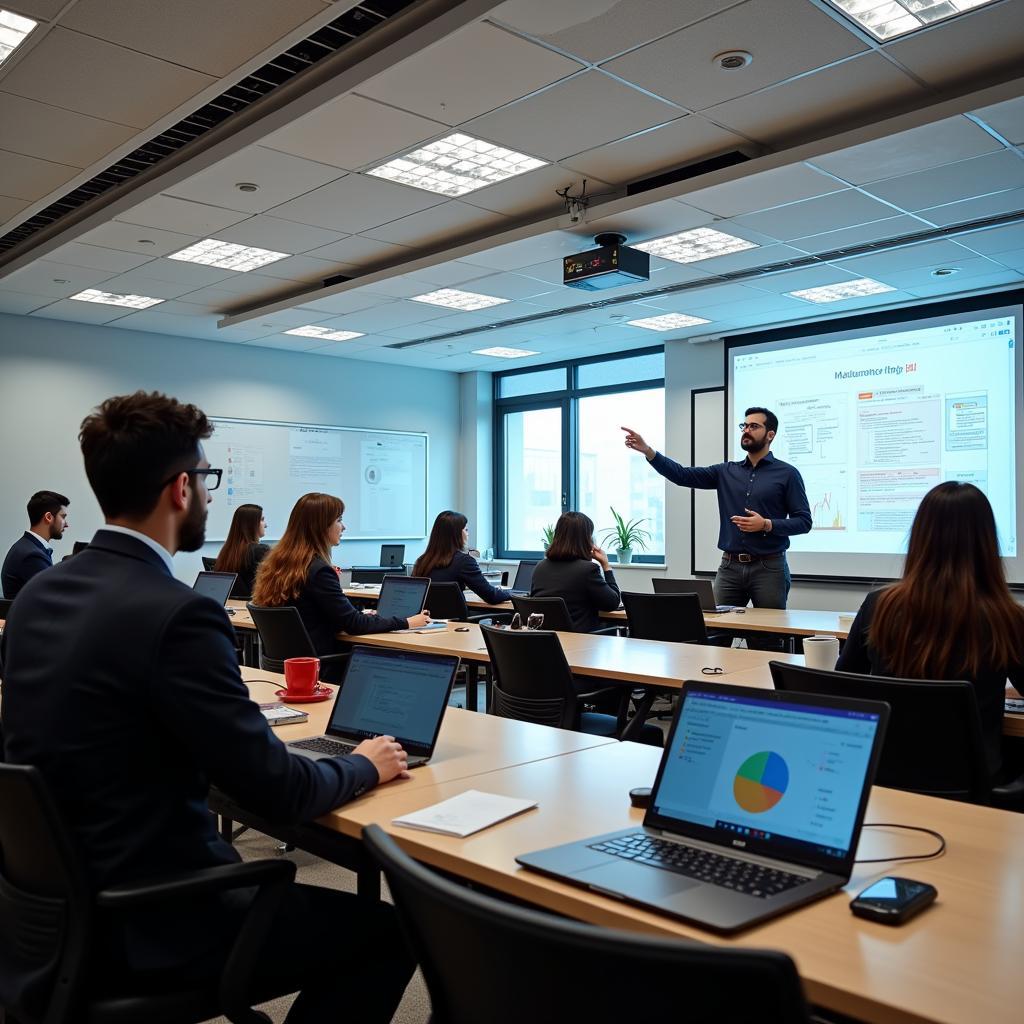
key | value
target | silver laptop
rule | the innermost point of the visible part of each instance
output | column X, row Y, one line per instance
column 524, row 579
column 387, row 693
column 756, row 809
column 402, row 596
column 215, row 584
column 702, row 588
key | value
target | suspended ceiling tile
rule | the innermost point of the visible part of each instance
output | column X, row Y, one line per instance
column 81, row 312
column 22, row 302
column 137, row 282
column 763, row 191
column 352, row 132
column 909, row 257
column 446, row 274
column 500, row 66
column 816, row 105
column 135, row 238
column 712, row 295
column 528, row 252
column 446, row 223
column 760, row 257
column 182, row 215
column 949, row 286
column 995, row 240
column 307, row 270
column 1006, row 118
column 342, row 350
column 534, row 193
column 978, row 176
column 345, row 303
column 287, row 343
column 44, row 277
column 1010, row 201
column 361, row 252
column 761, row 309
column 9, row 207
column 892, row 227
column 279, row 235
column 967, row 270
column 356, row 203
column 809, row 277
column 98, row 257
column 195, row 275
column 170, row 323
column 88, row 75
column 40, row 10
column 825, row 213
column 581, row 113
column 510, row 286
column 395, row 314
column 25, row 177
column 1013, row 260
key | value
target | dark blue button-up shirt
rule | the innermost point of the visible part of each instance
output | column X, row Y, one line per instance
column 772, row 488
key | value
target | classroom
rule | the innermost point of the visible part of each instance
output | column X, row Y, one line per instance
column 461, row 302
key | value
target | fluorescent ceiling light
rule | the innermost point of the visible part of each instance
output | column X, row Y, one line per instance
column 453, row 298
column 504, row 353
column 667, row 322
column 112, row 299
column 227, row 255
column 324, row 332
column 692, row 246
column 456, row 165
column 13, row 30
column 887, row 19
column 845, row 290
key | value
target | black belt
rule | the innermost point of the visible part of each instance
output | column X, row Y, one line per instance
column 742, row 556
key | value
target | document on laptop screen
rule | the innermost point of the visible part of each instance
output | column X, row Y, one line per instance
column 401, row 596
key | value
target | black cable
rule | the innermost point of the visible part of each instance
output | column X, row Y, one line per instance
column 269, row 682
column 912, row 856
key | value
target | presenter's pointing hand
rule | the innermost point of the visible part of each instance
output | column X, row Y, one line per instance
column 752, row 522
column 637, row 443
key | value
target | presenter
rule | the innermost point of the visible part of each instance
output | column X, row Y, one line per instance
column 762, row 503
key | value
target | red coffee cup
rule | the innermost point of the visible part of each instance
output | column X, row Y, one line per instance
column 301, row 675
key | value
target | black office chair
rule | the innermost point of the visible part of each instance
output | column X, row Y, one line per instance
column 484, row 959
column 5, row 606
column 672, row 618
column 933, row 743
column 446, row 601
column 555, row 612
column 208, row 563
column 50, row 915
column 283, row 635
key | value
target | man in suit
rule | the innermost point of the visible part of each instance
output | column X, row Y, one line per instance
column 142, row 708
column 31, row 553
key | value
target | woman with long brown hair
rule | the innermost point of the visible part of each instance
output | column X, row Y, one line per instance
column 446, row 559
column 242, row 551
column 298, row 572
column 951, row 616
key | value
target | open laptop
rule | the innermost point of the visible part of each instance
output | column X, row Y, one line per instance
column 524, row 579
column 402, row 596
column 392, row 555
column 387, row 693
column 702, row 588
column 215, row 584
column 757, row 809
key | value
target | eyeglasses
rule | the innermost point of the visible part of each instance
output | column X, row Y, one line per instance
column 211, row 477
column 751, row 426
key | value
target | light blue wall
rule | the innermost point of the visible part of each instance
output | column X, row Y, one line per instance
column 52, row 373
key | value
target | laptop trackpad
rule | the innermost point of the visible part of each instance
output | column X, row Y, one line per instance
column 637, row 881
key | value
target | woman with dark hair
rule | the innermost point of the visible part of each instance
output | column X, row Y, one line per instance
column 298, row 572
column 242, row 551
column 951, row 616
column 447, row 561
column 568, row 571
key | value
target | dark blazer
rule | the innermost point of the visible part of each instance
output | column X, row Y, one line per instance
column 585, row 589
column 464, row 569
column 326, row 611
column 25, row 559
column 247, row 572
column 131, row 711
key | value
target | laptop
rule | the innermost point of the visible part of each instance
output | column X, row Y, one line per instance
column 402, row 596
column 392, row 555
column 215, row 584
column 702, row 588
column 756, row 809
column 387, row 693
column 524, row 579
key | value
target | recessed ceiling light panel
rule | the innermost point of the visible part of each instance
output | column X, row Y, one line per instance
column 211, row 252
column 324, row 332
column 455, row 165
column 498, row 352
column 454, row 298
column 13, row 31
column 845, row 290
column 888, row 19
column 693, row 246
column 112, row 299
column 667, row 322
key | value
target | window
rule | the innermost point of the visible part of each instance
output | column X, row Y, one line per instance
column 559, row 447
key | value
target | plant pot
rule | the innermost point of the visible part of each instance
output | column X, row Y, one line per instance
column 624, row 555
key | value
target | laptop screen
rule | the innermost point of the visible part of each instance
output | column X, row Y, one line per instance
column 215, row 584
column 524, row 576
column 402, row 596
column 394, row 693
column 782, row 775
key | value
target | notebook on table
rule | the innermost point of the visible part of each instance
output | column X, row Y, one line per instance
column 756, row 809
column 387, row 693
column 702, row 588
column 402, row 596
column 215, row 584
column 524, row 579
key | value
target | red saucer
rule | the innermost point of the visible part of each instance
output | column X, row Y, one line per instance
column 320, row 693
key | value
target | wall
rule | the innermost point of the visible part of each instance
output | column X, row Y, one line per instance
column 52, row 373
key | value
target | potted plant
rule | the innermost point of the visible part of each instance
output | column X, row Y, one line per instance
column 626, row 535
column 549, row 535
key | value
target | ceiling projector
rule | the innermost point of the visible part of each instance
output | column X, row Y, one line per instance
column 610, row 265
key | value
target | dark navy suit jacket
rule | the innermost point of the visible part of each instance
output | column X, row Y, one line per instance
column 27, row 558
column 464, row 569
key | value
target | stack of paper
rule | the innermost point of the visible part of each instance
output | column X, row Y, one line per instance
column 466, row 813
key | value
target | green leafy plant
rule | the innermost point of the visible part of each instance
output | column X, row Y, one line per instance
column 626, row 535
column 549, row 534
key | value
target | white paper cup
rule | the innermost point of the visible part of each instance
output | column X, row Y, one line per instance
column 821, row 651
column 846, row 621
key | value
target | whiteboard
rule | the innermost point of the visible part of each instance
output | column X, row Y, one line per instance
column 381, row 475
column 707, row 448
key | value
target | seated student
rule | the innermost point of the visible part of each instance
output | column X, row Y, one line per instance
column 31, row 553
column 951, row 616
column 242, row 551
column 447, row 561
column 568, row 571
column 298, row 572
column 132, row 722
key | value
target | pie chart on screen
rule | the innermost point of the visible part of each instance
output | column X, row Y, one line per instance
column 761, row 782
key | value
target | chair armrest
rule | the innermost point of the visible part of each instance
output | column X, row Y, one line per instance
column 719, row 640
column 163, row 888
column 1009, row 794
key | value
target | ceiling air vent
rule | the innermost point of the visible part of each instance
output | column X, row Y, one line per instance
column 694, row 170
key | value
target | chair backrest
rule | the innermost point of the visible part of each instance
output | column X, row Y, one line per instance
column 487, row 960
column 532, row 681
column 5, row 606
column 675, row 618
column 933, row 743
column 667, row 586
column 554, row 609
column 372, row 575
column 446, row 601
column 282, row 635
column 209, row 563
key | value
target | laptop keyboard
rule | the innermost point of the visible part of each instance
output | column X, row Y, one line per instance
column 716, row 869
column 322, row 745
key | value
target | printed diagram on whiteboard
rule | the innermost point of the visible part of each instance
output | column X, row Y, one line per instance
column 387, row 475
column 244, row 473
